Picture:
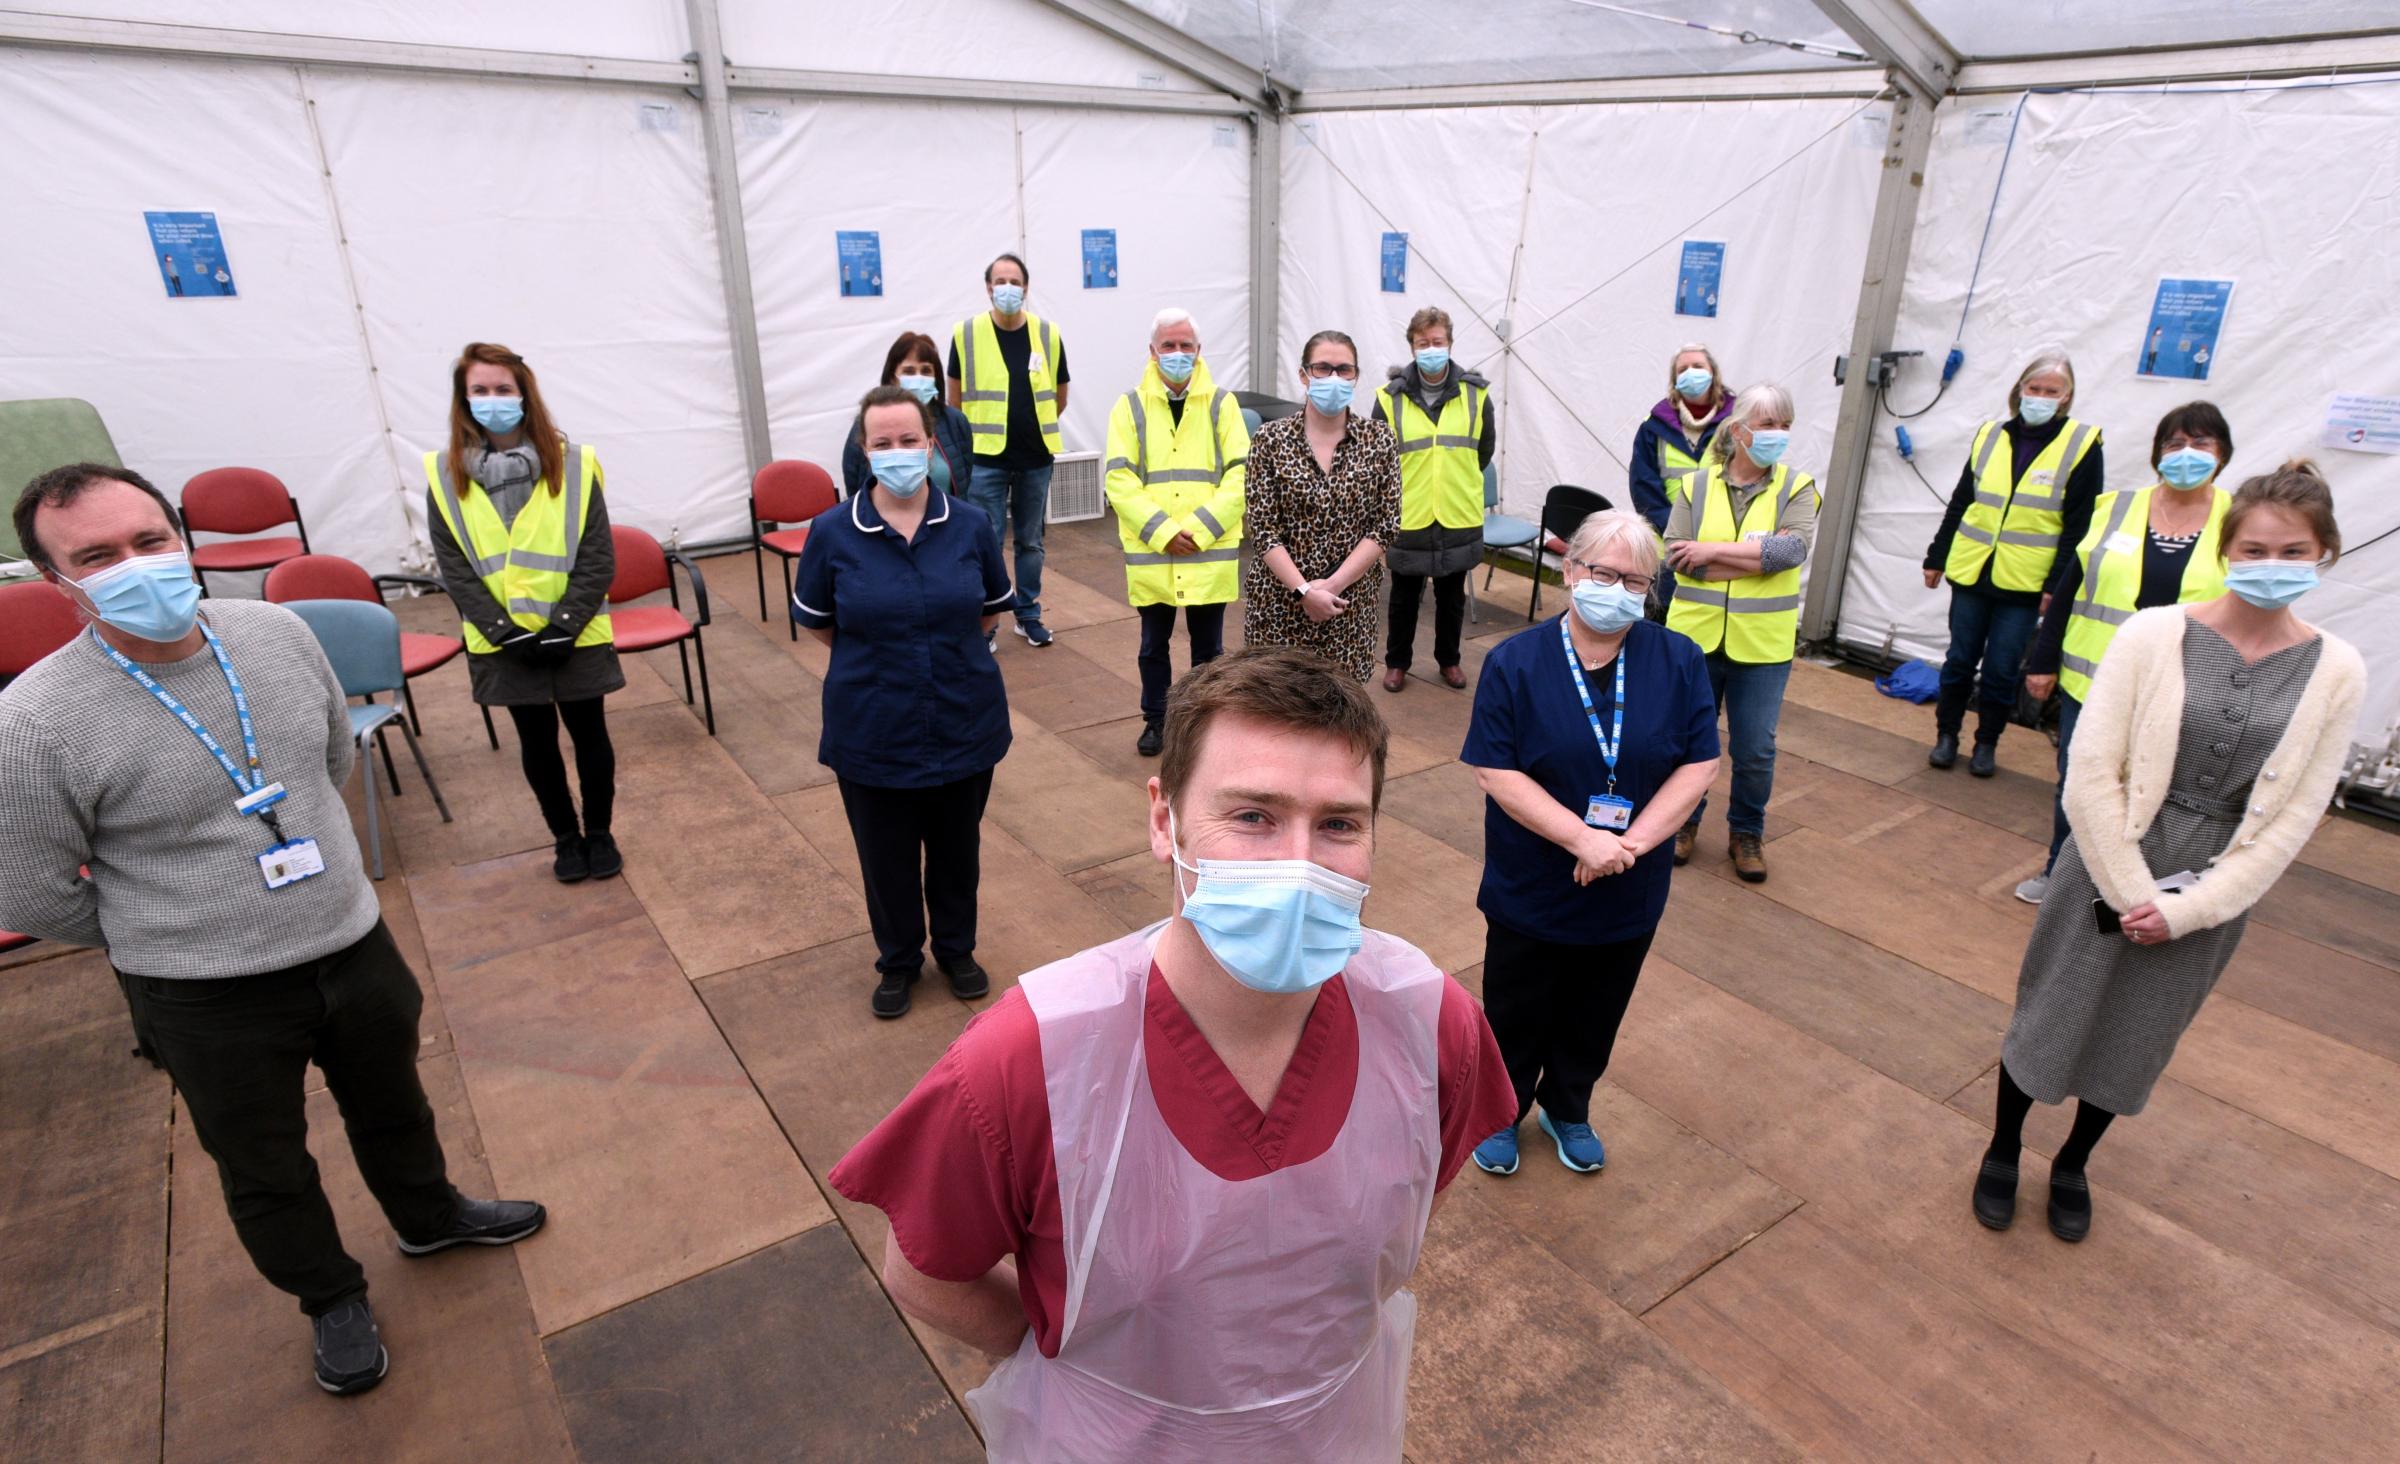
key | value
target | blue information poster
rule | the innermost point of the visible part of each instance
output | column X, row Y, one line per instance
column 191, row 255
column 861, row 252
column 1395, row 264
column 2184, row 322
column 1697, row 276
column 1099, row 259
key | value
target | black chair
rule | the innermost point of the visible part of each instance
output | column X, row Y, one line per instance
column 1564, row 508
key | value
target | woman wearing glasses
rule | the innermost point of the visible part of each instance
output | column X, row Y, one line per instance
column 1593, row 739
column 1324, row 505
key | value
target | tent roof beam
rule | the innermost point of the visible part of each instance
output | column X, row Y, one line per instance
column 1743, row 86
column 1154, row 37
column 859, row 85
column 1895, row 35
column 214, row 43
column 2315, row 56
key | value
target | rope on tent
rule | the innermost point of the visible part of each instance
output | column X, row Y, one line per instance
column 1746, row 37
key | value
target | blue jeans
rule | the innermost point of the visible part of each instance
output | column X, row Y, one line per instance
column 2068, row 710
column 1752, row 699
column 1992, row 633
column 1022, row 493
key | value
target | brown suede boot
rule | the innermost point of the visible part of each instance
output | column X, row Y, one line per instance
column 1686, row 838
column 1749, row 860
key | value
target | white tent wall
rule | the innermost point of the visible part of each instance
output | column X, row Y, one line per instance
column 2104, row 194
column 1614, row 192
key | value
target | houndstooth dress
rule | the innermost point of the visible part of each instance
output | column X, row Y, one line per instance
column 2098, row 1016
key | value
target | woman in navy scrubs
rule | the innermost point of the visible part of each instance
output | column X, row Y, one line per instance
column 904, row 582
column 1594, row 737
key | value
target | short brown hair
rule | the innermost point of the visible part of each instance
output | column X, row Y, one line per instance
column 912, row 346
column 1427, row 319
column 2193, row 419
column 2297, row 488
column 1278, row 685
column 62, row 486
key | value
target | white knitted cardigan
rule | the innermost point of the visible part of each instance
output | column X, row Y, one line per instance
column 2124, row 757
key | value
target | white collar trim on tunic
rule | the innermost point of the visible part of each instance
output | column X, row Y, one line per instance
column 941, row 501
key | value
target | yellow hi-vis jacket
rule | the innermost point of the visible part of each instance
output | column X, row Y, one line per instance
column 1167, row 478
column 983, row 382
column 1675, row 464
column 525, row 565
column 2018, row 520
column 1441, row 468
column 1755, row 619
column 2112, row 550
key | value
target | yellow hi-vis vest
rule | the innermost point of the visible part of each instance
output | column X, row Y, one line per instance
column 1756, row 618
column 2017, row 520
column 525, row 564
column 1167, row 478
column 1675, row 464
column 983, row 380
column 1441, row 463
column 2112, row 551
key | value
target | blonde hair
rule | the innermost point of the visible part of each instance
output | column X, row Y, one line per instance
column 1616, row 526
column 1766, row 398
column 2046, row 360
column 1716, row 374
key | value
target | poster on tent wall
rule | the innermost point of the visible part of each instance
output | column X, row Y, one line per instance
column 191, row 255
column 1696, row 279
column 1099, row 259
column 861, row 252
column 2356, row 422
column 2184, row 321
column 1395, row 264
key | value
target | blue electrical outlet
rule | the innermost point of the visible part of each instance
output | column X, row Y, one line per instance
column 1908, row 449
column 1951, row 363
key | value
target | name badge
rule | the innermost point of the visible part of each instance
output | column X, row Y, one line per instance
column 1608, row 811
column 1036, row 361
column 2042, row 477
column 2123, row 543
column 261, row 800
column 291, row 863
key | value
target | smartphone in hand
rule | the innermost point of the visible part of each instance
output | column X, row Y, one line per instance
column 2108, row 920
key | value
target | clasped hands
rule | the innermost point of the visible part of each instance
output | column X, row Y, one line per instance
column 1601, row 853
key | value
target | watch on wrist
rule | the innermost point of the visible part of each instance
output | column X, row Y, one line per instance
column 1300, row 590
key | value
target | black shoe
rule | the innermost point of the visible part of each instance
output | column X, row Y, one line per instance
column 571, row 866
column 601, row 852
column 968, row 981
column 891, row 993
column 1945, row 750
column 350, row 1355
column 1985, row 760
column 482, row 1222
column 1996, row 1194
column 2070, row 1206
column 1154, row 740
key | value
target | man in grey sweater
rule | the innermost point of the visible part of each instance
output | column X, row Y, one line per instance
column 193, row 766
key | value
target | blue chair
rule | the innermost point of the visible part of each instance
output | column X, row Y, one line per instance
column 362, row 642
column 1250, row 420
column 1500, row 532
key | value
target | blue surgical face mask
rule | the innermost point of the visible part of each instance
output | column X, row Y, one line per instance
column 1605, row 609
column 1767, row 446
column 152, row 597
column 1331, row 395
column 2037, row 411
column 1008, row 299
column 921, row 387
column 1279, row 926
column 1694, row 381
column 1176, row 366
column 900, row 469
column 2270, row 584
column 497, row 414
column 2187, row 467
column 1433, row 360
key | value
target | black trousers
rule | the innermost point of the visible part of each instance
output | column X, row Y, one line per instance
column 920, row 852
column 1205, row 624
column 595, row 763
column 1449, row 618
column 238, row 1050
column 1555, row 1010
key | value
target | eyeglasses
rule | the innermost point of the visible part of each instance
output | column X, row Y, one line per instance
column 1638, row 583
column 1326, row 371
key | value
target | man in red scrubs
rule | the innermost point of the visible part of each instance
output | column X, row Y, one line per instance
column 1180, row 1181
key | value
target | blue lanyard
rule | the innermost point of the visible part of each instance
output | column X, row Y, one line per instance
column 1613, row 739
column 257, row 779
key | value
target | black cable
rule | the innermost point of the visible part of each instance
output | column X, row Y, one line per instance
column 1883, row 394
column 2350, row 549
column 1928, row 482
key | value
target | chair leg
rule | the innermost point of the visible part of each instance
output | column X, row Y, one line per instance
column 686, row 663
column 758, row 561
column 389, row 770
column 1534, row 610
column 708, row 703
column 425, row 772
column 374, row 828
column 408, row 699
column 788, row 622
column 488, row 729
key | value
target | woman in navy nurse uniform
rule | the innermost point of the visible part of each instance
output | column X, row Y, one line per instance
column 904, row 582
column 1593, row 739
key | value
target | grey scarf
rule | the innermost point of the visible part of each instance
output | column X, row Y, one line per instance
column 507, row 477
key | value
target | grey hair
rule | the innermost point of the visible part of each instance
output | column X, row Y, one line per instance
column 2048, row 358
column 1173, row 315
column 1765, row 398
column 1616, row 526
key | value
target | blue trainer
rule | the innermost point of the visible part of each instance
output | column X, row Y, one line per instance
column 1036, row 634
column 1498, row 1154
column 1578, row 1147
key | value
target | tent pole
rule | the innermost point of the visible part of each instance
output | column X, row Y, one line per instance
column 1266, row 249
column 1906, row 142
column 733, row 242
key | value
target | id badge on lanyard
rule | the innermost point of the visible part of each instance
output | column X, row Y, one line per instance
column 1602, row 810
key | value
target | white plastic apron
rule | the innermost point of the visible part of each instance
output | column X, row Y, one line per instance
column 1257, row 1321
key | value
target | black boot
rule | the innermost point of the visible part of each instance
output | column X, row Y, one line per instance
column 968, row 981
column 1996, row 1194
column 2070, row 1205
column 1945, row 750
column 572, row 866
column 1985, row 760
column 891, row 992
column 601, row 852
column 1152, row 741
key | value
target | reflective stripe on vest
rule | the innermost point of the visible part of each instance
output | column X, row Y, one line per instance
column 1441, row 463
column 516, row 561
column 1208, row 576
column 1754, row 619
column 1674, row 464
column 2112, row 553
column 2015, row 521
column 983, row 383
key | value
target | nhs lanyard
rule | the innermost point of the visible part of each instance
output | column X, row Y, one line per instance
column 1613, row 739
column 248, row 784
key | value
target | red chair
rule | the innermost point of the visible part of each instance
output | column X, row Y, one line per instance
column 787, row 491
column 10, row 940
column 331, row 577
column 240, row 501
column 643, row 568
column 36, row 618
